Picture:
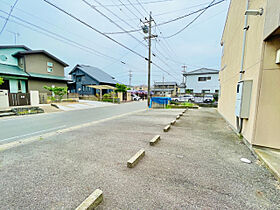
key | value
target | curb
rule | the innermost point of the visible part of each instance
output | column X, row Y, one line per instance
column 155, row 140
column 166, row 128
column 92, row 201
column 135, row 158
column 267, row 164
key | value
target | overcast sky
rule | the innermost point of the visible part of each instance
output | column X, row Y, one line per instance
column 197, row 46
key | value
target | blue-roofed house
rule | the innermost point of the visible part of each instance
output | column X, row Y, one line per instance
column 84, row 76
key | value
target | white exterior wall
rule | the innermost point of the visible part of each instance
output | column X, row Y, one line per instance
column 197, row 86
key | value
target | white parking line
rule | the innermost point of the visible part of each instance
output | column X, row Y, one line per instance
column 29, row 134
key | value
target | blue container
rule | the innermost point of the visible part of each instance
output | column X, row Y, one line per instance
column 160, row 100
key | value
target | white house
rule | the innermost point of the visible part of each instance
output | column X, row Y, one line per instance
column 202, row 81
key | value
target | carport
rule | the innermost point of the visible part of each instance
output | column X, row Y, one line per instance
column 102, row 87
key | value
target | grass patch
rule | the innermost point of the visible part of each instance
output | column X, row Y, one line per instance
column 188, row 104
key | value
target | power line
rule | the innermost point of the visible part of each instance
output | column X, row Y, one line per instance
column 96, row 30
column 135, row 8
column 116, row 23
column 49, row 23
column 167, row 37
column 128, row 9
column 91, row 27
column 149, row 2
column 9, row 15
column 63, row 39
column 172, row 20
column 58, row 35
column 142, row 6
column 46, row 34
column 178, row 10
column 166, row 13
column 91, row 6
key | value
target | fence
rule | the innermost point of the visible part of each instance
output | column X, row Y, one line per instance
column 19, row 99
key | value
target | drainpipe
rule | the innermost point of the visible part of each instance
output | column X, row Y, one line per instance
column 239, row 121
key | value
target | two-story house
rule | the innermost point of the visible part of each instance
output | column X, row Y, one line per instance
column 24, row 70
column 202, row 81
column 165, row 88
column 84, row 76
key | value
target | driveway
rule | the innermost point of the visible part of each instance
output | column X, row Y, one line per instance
column 83, row 104
column 16, row 128
column 196, row 165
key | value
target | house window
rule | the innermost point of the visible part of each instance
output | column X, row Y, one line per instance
column 49, row 64
column 21, row 61
column 79, row 79
column 19, row 86
column 202, row 79
column 216, row 91
column 205, row 91
column 49, row 69
column 208, row 78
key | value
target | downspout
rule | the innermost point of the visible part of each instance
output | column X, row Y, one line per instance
column 239, row 121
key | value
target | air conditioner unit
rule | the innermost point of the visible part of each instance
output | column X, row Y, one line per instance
column 278, row 57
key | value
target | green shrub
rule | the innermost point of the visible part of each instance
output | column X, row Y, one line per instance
column 106, row 96
column 58, row 91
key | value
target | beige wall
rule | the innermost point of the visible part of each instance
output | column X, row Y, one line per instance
column 272, row 19
column 262, row 127
column 39, row 85
column 231, row 61
column 37, row 63
column 268, row 118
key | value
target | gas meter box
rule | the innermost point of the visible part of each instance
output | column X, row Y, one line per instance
column 243, row 99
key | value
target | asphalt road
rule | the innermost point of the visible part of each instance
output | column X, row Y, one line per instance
column 195, row 165
column 16, row 128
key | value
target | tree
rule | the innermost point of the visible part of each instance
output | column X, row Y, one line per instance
column 120, row 88
column 1, row 80
column 58, row 91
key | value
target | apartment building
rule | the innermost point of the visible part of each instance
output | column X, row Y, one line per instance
column 250, row 71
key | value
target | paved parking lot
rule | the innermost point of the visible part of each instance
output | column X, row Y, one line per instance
column 196, row 165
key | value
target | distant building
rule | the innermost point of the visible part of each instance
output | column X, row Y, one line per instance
column 165, row 88
column 141, row 87
column 182, row 88
column 84, row 75
column 202, row 81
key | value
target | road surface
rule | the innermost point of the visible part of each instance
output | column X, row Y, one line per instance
column 16, row 128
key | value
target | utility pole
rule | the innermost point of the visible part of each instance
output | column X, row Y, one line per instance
column 149, row 59
column 130, row 76
column 150, row 37
column 184, row 71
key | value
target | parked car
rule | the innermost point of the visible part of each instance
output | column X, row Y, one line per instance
column 185, row 98
column 135, row 98
column 208, row 98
